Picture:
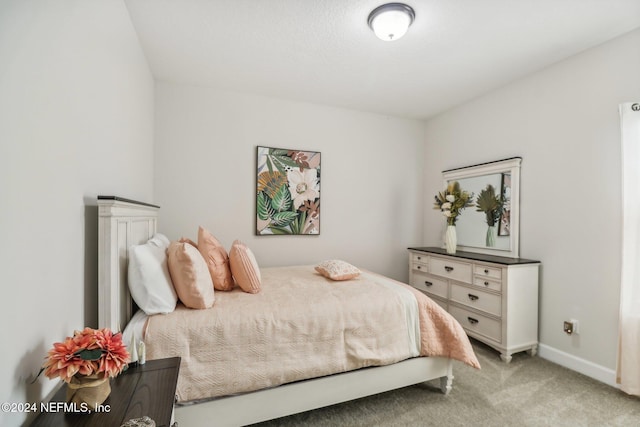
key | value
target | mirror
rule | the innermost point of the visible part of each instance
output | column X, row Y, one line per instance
column 497, row 182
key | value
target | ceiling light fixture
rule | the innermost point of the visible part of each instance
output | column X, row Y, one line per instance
column 391, row 21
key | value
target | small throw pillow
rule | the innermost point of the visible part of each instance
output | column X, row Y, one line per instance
column 244, row 268
column 217, row 259
column 149, row 280
column 336, row 269
column 190, row 276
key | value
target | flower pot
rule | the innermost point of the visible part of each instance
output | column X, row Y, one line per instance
column 91, row 390
column 450, row 239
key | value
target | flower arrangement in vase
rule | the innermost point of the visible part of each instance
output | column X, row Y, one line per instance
column 451, row 202
column 85, row 362
column 492, row 205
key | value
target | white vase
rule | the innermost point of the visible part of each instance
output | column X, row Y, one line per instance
column 450, row 239
column 491, row 236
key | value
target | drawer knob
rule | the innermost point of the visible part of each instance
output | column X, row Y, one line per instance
column 449, row 269
column 486, row 283
column 472, row 320
column 486, row 271
column 419, row 258
column 428, row 283
column 418, row 267
column 473, row 297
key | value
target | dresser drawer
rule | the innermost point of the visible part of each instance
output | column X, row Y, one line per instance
column 477, row 323
column 419, row 258
column 477, row 299
column 431, row 284
column 487, row 271
column 419, row 268
column 451, row 269
column 485, row 283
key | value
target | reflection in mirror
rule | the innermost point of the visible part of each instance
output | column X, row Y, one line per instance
column 492, row 224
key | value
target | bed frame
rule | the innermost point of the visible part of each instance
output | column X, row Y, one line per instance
column 123, row 223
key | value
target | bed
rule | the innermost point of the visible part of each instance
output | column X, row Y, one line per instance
column 422, row 354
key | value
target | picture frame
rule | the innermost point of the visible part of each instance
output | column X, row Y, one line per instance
column 287, row 191
column 504, row 228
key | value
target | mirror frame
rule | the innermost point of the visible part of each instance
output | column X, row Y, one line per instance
column 512, row 166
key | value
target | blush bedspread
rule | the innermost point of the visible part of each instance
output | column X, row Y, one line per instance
column 301, row 325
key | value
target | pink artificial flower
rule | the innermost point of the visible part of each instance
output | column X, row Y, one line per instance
column 89, row 351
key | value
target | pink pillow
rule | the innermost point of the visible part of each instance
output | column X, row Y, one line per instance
column 190, row 275
column 188, row 240
column 336, row 269
column 244, row 268
column 217, row 260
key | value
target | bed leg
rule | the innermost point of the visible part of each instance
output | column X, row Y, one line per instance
column 446, row 382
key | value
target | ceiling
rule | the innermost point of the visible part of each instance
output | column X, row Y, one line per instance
column 322, row 51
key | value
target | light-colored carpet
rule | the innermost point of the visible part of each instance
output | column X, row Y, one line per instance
column 529, row 391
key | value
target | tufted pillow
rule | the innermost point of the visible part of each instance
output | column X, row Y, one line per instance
column 149, row 280
column 190, row 275
column 244, row 267
column 217, row 260
column 336, row 269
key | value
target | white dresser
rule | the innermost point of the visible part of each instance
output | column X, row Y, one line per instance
column 494, row 298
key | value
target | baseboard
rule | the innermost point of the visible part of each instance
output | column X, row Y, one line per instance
column 585, row 367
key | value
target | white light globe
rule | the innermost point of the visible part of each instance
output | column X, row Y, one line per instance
column 391, row 25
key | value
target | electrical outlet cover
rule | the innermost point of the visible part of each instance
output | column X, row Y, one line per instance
column 568, row 327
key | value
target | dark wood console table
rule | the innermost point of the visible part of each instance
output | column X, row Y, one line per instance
column 147, row 389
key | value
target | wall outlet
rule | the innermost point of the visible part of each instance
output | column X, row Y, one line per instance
column 571, row 327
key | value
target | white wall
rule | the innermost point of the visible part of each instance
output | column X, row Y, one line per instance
column 564, row 123
column 76, row 120
column 205, row 174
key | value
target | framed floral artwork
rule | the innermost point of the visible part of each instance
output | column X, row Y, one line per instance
column 505, row 217
column 288, row 191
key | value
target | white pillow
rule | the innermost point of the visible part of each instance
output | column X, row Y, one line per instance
column 149, row 280
column 160, row 240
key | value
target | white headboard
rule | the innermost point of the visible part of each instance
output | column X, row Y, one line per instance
column 121, row 223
